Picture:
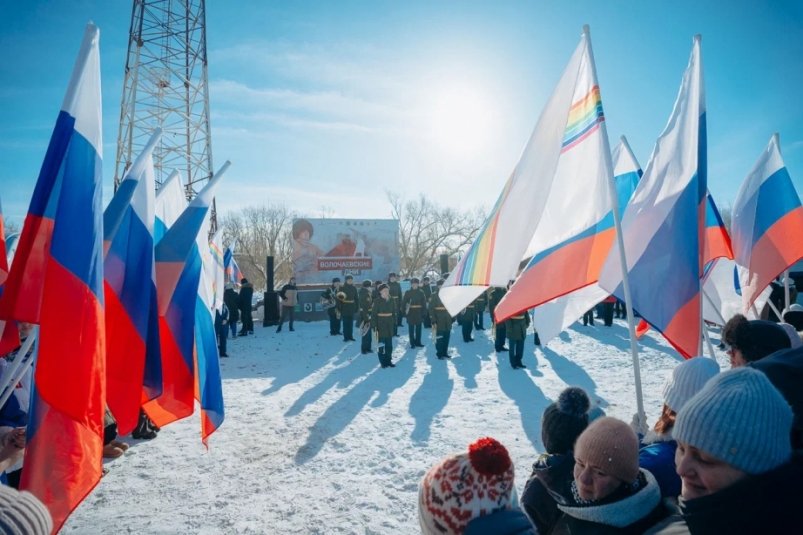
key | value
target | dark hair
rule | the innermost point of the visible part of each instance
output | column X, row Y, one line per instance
column 299, row 225
column 755, row 339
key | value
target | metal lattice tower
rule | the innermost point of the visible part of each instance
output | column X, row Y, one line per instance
column 166, row 86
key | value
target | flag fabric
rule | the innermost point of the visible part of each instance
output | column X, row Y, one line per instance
column 9, row 333
column 717, row 239
column 722, row 294
column 663, row 225
column 218, row 271
column 56, row 280
column 178, row 273
column 170, row 203
column 132, row 319
column 209, row 387
column 554, row 316
column 767, row 226
column 558, row 189
column 233, row 272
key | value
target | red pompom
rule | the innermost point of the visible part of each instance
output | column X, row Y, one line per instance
column 489, row 457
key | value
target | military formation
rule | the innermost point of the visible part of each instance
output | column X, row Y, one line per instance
column 378, row 309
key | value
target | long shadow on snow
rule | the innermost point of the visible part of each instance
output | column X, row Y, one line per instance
column 343, row 411
column 340, row 377
column 519, row 387
column 430, row 398
column 302, row 364
column 646, row 341
column 573, row 374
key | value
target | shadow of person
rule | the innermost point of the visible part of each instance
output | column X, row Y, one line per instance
column 340, row 377
column 301, row 366
column 529, row 400
column 343, row 411
column 431, row 397
column 573, row 374
column 467, row 363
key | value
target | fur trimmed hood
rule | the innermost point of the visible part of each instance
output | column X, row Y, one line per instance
column 623, row 512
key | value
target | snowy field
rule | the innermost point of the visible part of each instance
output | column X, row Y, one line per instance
column 319, row 439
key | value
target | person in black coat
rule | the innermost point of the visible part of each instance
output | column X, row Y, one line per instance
column 246, row 295
column 329, row 300
column 288, row 296
column 426, row 287
column 231, row 299
column 222, row 329
column 561, row 424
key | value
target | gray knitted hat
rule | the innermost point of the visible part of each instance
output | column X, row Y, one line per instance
column 688, row 378
column 739, row 418
column 21, row 513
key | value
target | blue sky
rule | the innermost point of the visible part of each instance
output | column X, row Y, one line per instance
column 331, row 104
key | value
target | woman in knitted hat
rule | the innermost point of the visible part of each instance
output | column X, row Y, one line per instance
column 735, row 459
column 658, row 448
column 472, row 493
column 751, row 340
column 610, row 493
column 561, row 424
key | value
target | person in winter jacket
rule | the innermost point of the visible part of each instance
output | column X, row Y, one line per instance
column 414, row 305
column 657, row 453
column 610, row 493
column 752, row 340
column 231, row 299
column 472, row 493
column 244, row 304
column 607, row 310
column 499, row 326
column 441, row 323
column 561, row 424
column 348, row 303
column 366, row 304
column 735, row 460
column 794, row 316
column 383, row 321
column 289, row 296
column 516, row 332
column 222, row 329
column 784, row 369
column 329, row 298
column 466, row 320
column 426, row 287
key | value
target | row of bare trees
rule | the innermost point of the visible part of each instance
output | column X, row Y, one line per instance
column 426, row 231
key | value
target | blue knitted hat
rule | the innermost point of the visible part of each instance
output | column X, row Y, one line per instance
column 688, row 378
column 739, row 418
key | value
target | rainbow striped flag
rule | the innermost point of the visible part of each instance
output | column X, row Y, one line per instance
column 558, row 189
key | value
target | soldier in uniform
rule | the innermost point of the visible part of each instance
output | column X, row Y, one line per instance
column 466, row 320
column 499, row 331
column 365, row 315
column 348, row 308
column 414, row 305
column 516, row 333
column 383, row 321
column 441, row 322
column 395, row 296
column 329, row 298
column 426, row 287
column 479, row 311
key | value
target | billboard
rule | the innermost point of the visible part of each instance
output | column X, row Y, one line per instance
column 327, row 248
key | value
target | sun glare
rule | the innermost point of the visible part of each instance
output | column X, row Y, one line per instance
column 462, row 121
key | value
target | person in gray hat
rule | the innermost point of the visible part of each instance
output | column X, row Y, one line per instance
column 735, row 459
column 21, row 513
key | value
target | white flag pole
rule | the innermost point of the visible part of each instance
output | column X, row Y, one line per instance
column 713, row 306
column 622, row 258
column 15, row 372
column 708, row 340
column 773, row 307
column 785, row 291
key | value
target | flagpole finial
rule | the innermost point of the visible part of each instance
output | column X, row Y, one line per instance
column 586, row 30
column 776, row 138
column 698, row 37
column 622, row 138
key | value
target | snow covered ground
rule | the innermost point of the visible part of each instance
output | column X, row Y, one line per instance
column 320, row 439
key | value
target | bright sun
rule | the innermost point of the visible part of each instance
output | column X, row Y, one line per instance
column 462, row 121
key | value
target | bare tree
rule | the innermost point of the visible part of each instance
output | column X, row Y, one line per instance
column 258, row 232
column 428, row 230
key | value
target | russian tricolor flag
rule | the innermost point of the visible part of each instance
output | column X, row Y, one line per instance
column 9, row 333
column 209, row 386
column 233, row 272
column 663, row 226
column 767, row 228
column 178, row 274
column 170, row 203
column 56, row 280
column 133, row 362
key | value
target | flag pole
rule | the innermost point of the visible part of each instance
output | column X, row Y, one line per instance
column 713, row 307
column 622, row 258
column 785, row 291
column 708, row 339
column 15, row 372
column 773, row 307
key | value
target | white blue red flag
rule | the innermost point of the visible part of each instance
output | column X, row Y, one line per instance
column 56, row 280
column 767, row 226
column 9, row 332
column 133, row 362
column 663, row 226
